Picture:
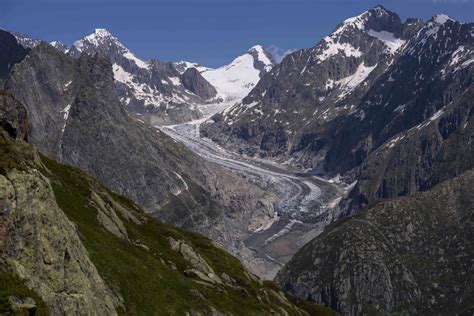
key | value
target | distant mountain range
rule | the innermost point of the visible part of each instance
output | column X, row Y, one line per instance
column 163, row 93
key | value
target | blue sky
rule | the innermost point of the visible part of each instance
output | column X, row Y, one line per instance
column 211, row 32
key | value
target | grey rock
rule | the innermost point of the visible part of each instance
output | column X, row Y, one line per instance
column 193, row 81
column 44, row 249
column 403, row 256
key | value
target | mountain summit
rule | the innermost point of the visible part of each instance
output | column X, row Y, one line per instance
column 235, row 80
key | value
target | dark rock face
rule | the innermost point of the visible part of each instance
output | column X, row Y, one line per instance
column 10, row 53
column 194, row 81
column 407, row 255
column 13, row 117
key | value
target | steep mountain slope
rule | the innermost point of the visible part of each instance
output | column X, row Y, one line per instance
column 70, row 246
column 335, row 107
column 152, row 89
column 411, row 256
column 312, row 87
column 235, row 80
column 76, row 117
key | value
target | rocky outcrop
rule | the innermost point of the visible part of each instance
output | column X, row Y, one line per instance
column 43, row 247
column 38, row 243
column 10, row 53
column 406, row 256
column 13, row 119
column 194, row 82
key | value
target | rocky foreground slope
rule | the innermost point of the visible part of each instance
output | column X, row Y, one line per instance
column 69, row 245
column 407, row 256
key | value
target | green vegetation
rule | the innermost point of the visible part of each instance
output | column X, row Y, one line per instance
column 147, row 272
column 13, row 155
column 12, row 286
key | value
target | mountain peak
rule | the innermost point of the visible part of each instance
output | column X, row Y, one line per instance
column 376, row 13
column 381, row 9
column 59, row 46
column 441, row 19
column 99, row 36
column 257, row 48
column 102, row 32
column 262, row 57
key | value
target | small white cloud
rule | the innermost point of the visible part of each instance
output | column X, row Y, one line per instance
column 279, row 53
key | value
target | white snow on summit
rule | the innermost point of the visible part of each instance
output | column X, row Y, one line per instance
column 442, row 18
column 235, row 80
column 102, row 37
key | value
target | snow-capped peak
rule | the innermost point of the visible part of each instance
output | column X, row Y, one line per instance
column 102, row 33
column 441, row 19
column 235, row 80
column 59, row 46
column 359, row 21
column 103, row 40
column 262, row 57
column 99, row 36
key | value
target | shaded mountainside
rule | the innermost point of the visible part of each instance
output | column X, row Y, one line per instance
column 68, row 245
column 10, row 53
column 336, row 107
column 75, row 117
column 410, row 256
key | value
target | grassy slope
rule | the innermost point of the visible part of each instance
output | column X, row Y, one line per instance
column 11, row 285
column 145, row 278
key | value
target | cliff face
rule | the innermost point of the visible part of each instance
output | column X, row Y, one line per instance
column 43, row 247
column 406, row 255
column 39, row 243
column 71, row 243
